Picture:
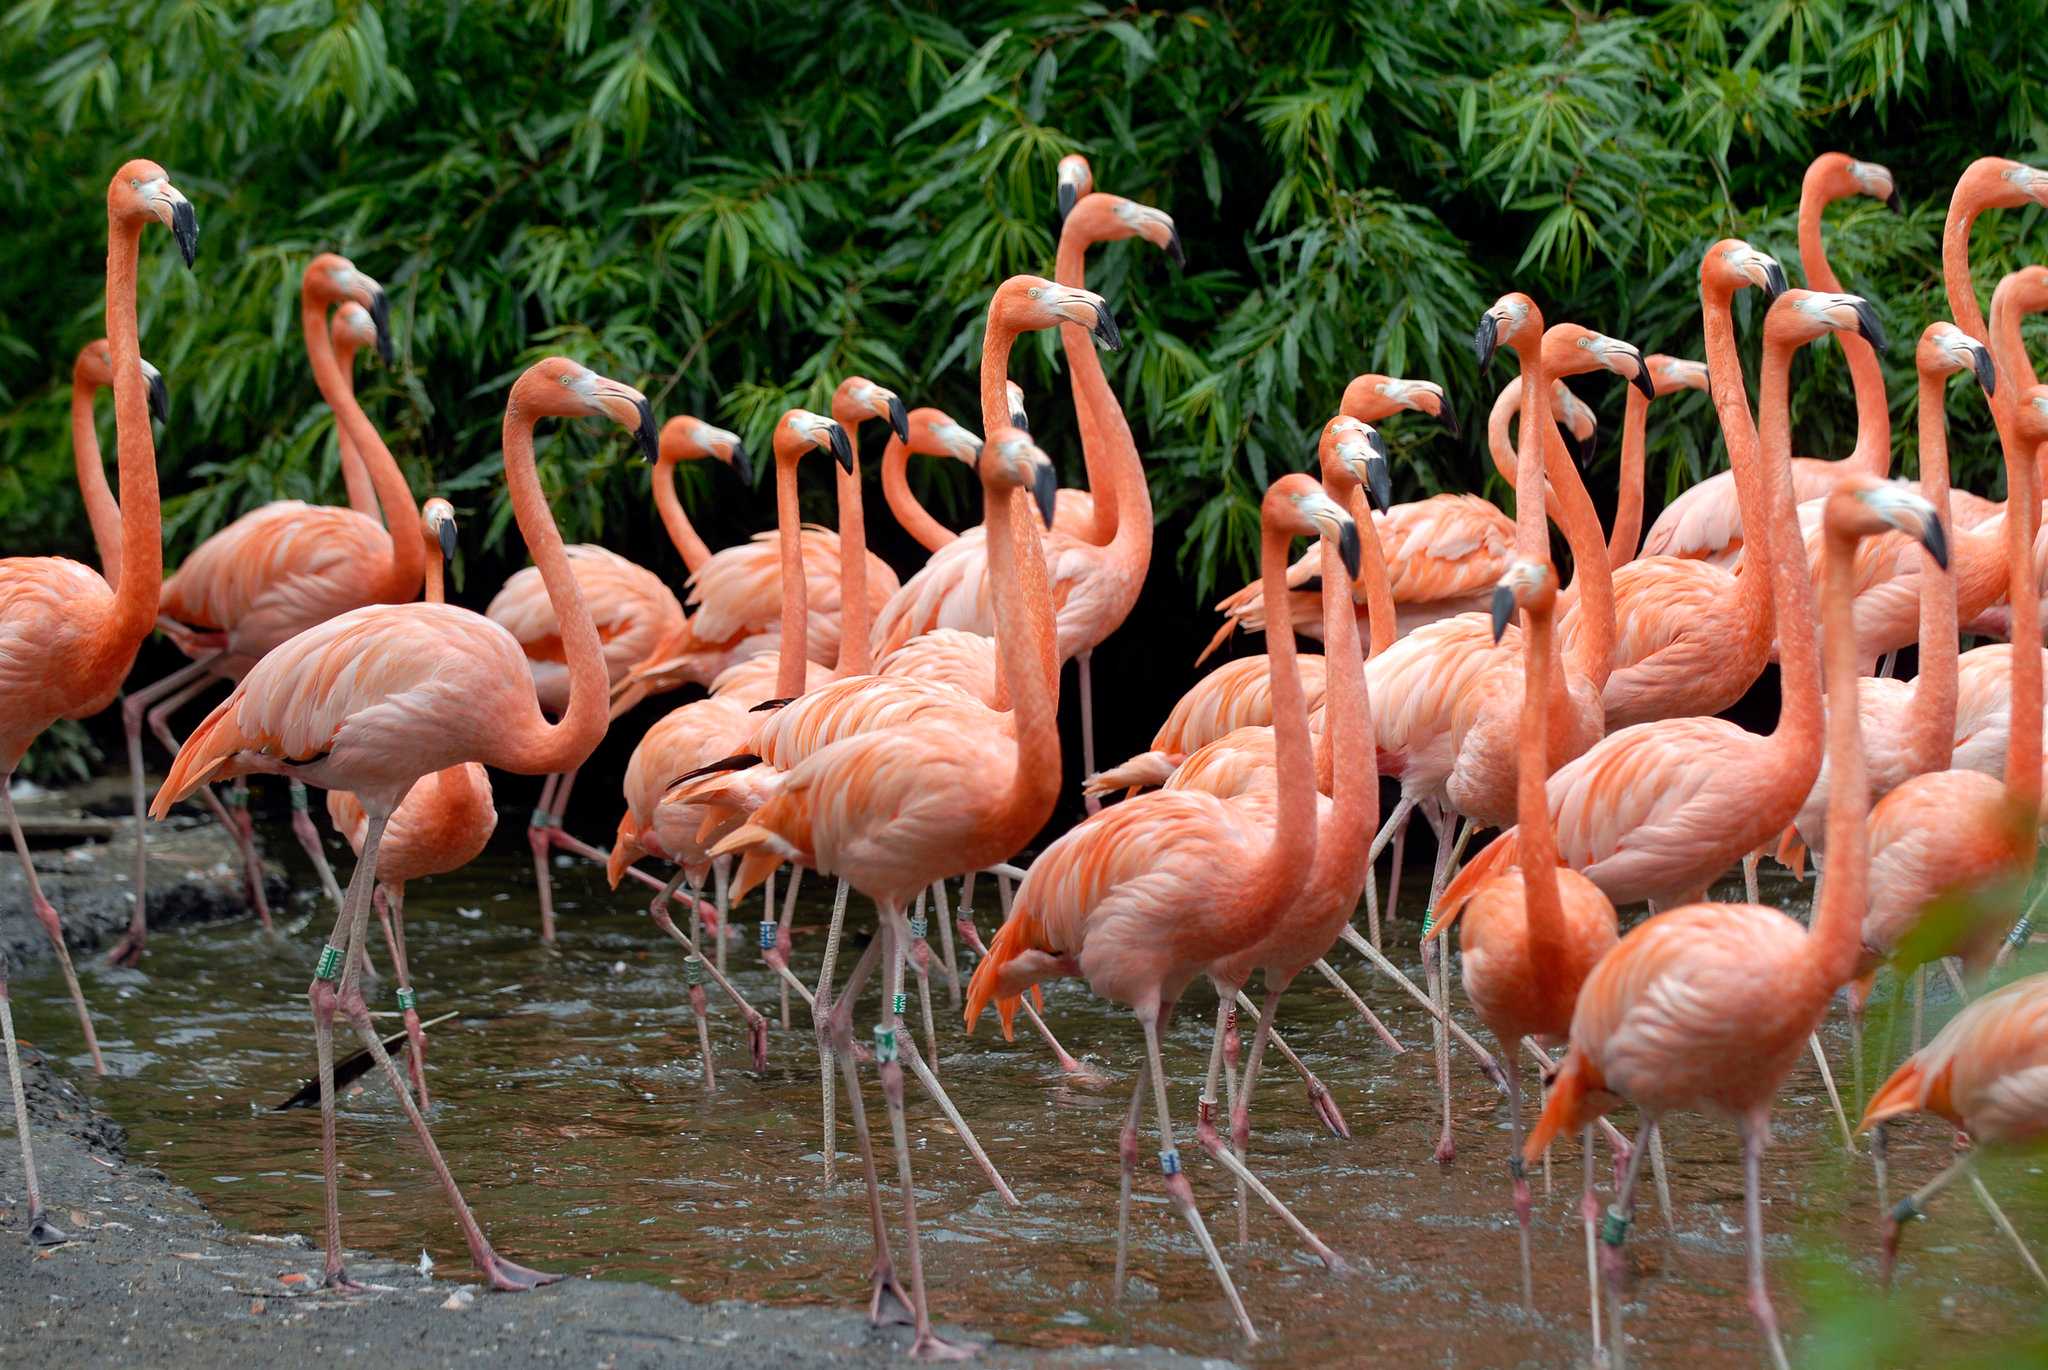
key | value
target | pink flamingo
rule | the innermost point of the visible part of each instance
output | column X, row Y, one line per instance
column 2018, row 294
column 278, row 570
column 1983, row 1075
column 67, row 636
column 933, row 433
column 1143, row 897
column 375, row 699
column 1667, row 374
column 443, row 824
column 1709, row 1006
column 92, row 372
column 1706, row 521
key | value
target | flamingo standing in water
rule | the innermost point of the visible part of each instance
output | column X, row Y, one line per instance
column 1706, row 521
column 1983, row 1074
column 442, row 826
column 376, row 699
column 1709, row 1006
column 68, row 637
column 1143, row 897
column 278, row 570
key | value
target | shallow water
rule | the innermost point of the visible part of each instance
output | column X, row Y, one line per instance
column 569, row 1102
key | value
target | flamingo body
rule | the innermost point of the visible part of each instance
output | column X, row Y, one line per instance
column 634, row 612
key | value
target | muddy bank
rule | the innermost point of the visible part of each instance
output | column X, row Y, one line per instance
column 84, row 846
column 150, row 1279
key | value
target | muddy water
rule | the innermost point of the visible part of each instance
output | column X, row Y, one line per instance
column 570, row 1102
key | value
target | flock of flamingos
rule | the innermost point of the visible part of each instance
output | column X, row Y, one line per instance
column 896, row 736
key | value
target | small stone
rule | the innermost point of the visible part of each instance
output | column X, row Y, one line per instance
column 460, row 1300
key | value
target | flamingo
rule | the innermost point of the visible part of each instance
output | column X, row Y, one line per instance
column 1983, row 1073
column 92, row 372
column 377, row 698
column 1143, row 897
column 443, row 824
column 350, row 329
column 1094, row 584
column 1909, row 727
column 892, row 809
column 67, row 636
column 1659, row 810
column 1667, row 374
column 277, row 570
column 933, row 433
column 2018, row 294
column 1709, row 1006
column 1706, row 521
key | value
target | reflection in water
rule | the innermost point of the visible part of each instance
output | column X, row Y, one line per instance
column 568, row 1101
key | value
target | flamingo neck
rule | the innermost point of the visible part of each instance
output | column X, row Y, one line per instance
column 1101, row 442
column 996, row 342
column 1837, row 934
column 1931, row 723
column 1372, row 576
column 355, row 478
column 1873, row 452
column 1799, row 714
column 2009, row 356
column 142, row 547
column 1024, row 629
column 1342, row 844
column 669, row 505
column 2023, row 743
column 1538, row 859
column 399, row 580
column 1626, row 534
column 1754, row 492
column 435, row 590
column 1968, row 201
column 910, row 513
column 856, row 655
column 545, row 748
column 790, row 671
column 101, row 510
column 1294, row 834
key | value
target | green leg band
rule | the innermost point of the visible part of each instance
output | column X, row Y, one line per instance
column 329, row 967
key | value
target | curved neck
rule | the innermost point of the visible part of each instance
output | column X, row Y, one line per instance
column 790, row 672
column 565, row 745
column 1538, row 860
column 1836, row 938
column 400, row 578
column 1873, row 453
column 2009, row 356
column 910, row 514
column 1532, row 535
column 1101, row 452
column 1626, row 535
column 1294, row 832
column 355, row 477
column 855, row 613
column 2023, row 744
column 1372, row 577
column 1024, row 632
column 996, row 342
column 1343, row 842
column 1799, row 713
column 1754, row 491
column 1963, row 208
column 142, row 545
column 435, row 590
column 1930, row 737
column 669, row 505
column 100, row 508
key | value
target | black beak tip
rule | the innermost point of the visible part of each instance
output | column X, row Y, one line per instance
column 1641, row 380
column 1105, row 329
column 185, row 228
column 1987, row 373
column 1045, row 487
column 1067, row 198
column 1347, row 548
column 1894, row 203
column 1448, row 417
column 1867, row 324
column 899, row 419
column 380, row 315
column 446, row 532
column 1485, row 339
column 842, row 449
column 1503, row 608
column 1176, row 251
column 1774, row 282
column 1936, row 542
column 743, row 463
column 1019, row 420
column 644, row 434
column 159, row 399
column 1379, row 483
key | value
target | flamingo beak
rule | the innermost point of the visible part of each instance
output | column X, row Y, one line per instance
column 1104, row 328
column 1446, row 415
column 185, row 228
column 1486, row 338
column 1068, row 195
column 842, row 450
column 1774, row 281
column 650, row 441
column 1980, row 362
column 1503, row 608
column 1869, row 327
column 380, row 315
column 445, row 531
column 159, row 397
column 899, row 419
column 742, row 463
column 1641, row 380
column 1045, row 488
column 1175, row 250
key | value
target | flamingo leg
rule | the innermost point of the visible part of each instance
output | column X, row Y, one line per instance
column 1749, row 877
column 324, row 998
column 159, row 718
column 1919, row 1004
column 537, row 841
column 1240, row 1138
column 1518, row 1173
column 1069, row 1066
column 917, row 952
column 821, row 1006
column 2004, row 1224
column 309, row 841
column 1614, row 1231
column 1487, row 1065
column 1827, row 1078
column 1756, row 1131
column 1394, row 872
column 721, row 872
column 1914, row 1205
column 757, row 1026
column 1127, row 1157
column 1589, row 1211
column 886, row 1300
column 1614, row 1139
column 46, row 914
column 390, row 904
column 1177, row 1187
column 40, row 1230
column 1395, row 829
column 1364, row 1010
column 777, row 956
column 926, row 1345
column 1092, row 803
column 128, row 950
column 244, row 832
column 946, row 957
column 1319, row 1097
column 1436, row 968
column 693, row 972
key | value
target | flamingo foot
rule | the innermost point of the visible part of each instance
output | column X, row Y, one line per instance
column 128, row 951
column 337, row 1280
column 888, row 1305
column 43, row 1232
column 509, row 1277
column 757, row 1040
column 1325, row 1105
column 931, row 1346
column 1446, row 1150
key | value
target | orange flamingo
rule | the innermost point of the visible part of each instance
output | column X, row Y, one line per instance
column 1658, row 811
column 443, row 824
column 892, row 809
column 278, row 570
column 1983, row 1074
column 67, row 636
column 933, row 433
column 1667, row 374
column 91, row 373
column 375, row 699
column 1706, row 521
column 1143, row 897
column 1709, row 1006
column 351, row 329
column 2020, row 293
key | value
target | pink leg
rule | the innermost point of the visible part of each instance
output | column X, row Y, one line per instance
column 391, row 913
column 1074, row 1070
column 128, row 951
column 309, row 841
column 757, row 1026
column 54, row 929
column 244, row 831
column 1518, row 1173
column 1613, row 1232
column 40, row 1230
column 1756, row 1131
column 1092, row 803
column 537, row 840
column 887, row 1303
column 1436, row 964
column 1127, row 1154
column 159, row 719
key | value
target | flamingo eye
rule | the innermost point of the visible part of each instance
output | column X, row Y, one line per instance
column 1034, row 292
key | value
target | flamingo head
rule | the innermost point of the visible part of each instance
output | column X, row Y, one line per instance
column 1576, row 421
column 1677, row 373
column 1513, row 320
column 1569, row 350
column 1076, row 181
column 799, row 431
column 556, row 387
column 332, row 278
column 1015, row 395
column 1526, row 585
column 1945, row 349
column 1864, row 506
column 688, row 438
column 1358, row 451
column 353, row 328
column 1298, row 505
column 2031, row 419
column 1010, row 460
column 95, row 370
column 859, row 398
column 935, row 433
column 1111, row 218
column 141, row 190
column 437, row 515
column 1800, row 316
column 1032, row 302
column 1837, row 175
column 1732, row 264
column 1372, row 397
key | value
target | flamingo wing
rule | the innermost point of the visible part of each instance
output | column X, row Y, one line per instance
column 273, row 573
